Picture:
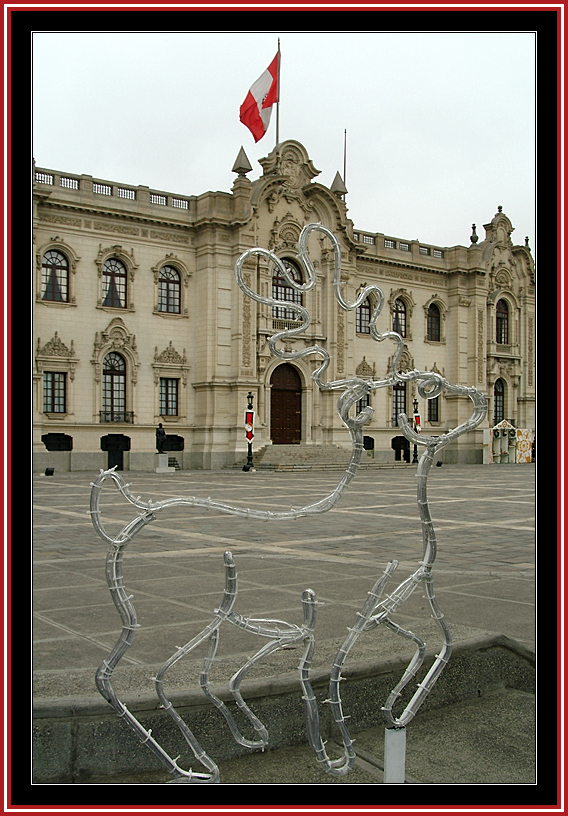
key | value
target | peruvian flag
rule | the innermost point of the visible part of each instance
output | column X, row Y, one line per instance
column 257, row 107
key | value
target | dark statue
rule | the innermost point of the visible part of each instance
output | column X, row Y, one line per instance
column 160, row 439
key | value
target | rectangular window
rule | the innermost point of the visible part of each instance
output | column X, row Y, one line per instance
column 368, row 239
column 364, row 402
column 54, row 392
column 398, row 402
column 168, row 396
column 404, row 246
column 438, row 253
column 390, row 244
column 363, row 318
column 434, row 410
column 424, row 250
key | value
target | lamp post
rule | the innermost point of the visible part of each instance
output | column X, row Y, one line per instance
column 249, row 423
column 417, row 429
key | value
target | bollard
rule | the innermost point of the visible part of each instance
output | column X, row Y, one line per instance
column 395, row 756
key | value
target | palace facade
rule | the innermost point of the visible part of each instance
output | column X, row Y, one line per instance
column 138, row 320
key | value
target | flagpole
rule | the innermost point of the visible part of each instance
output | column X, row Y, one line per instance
column 278, row 97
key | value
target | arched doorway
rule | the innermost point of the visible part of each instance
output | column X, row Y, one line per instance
column 286, row 406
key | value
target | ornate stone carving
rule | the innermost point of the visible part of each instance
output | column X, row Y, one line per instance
column 55, row 348
column 115, row 337
column 56, row 354
column 291, row 161
column 340, row 340
column 480, row 346
column 247, row 324
column 170, row 355
column 170, row 363
column 365, row 370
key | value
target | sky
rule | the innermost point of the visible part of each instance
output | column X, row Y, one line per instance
column 438, row 127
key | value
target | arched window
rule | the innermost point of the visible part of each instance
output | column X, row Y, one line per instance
column 55, row 277
column 114, row 284
column 499, row 401
column 502, row 322
column 363, row 317
column 281, row 290
column 399, row 317
column 433, row 323
column 169, row 290
column 398, row 402
column 114, row 388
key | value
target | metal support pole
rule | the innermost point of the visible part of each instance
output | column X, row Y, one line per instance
column 395, row 756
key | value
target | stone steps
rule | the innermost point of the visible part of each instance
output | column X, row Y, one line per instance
column 310, row 457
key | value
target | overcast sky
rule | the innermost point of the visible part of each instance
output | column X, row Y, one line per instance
column 440, row 125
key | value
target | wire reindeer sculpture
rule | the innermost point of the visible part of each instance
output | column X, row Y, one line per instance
column 379, row 605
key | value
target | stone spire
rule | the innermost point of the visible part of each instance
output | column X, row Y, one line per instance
column 242, row 166
column 338, row 188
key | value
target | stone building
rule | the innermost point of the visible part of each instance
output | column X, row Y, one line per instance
column 138, row 320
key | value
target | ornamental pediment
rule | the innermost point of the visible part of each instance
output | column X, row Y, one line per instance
column 55, row 348
column 170, row 355
column 291, row 162
column 364, row 370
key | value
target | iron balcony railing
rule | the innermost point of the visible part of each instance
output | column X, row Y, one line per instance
column 117, row 416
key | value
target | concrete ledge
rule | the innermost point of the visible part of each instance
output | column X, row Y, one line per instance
column 81, row 739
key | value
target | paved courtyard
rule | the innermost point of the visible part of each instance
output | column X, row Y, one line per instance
column 484, row 575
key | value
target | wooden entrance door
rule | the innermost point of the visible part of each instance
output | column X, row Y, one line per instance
column 286, row 406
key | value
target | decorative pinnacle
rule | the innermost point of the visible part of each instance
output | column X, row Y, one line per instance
column 242, row 166
column 338, row 188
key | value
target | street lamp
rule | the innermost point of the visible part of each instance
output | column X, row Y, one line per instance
column 417, row 429
column 249, row 423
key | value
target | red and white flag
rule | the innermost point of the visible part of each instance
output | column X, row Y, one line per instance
column 257, row 107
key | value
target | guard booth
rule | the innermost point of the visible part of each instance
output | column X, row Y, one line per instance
column 506, row 445
column 115, row 445
column 59, row 446
column 401, row 448
column 369, row 446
